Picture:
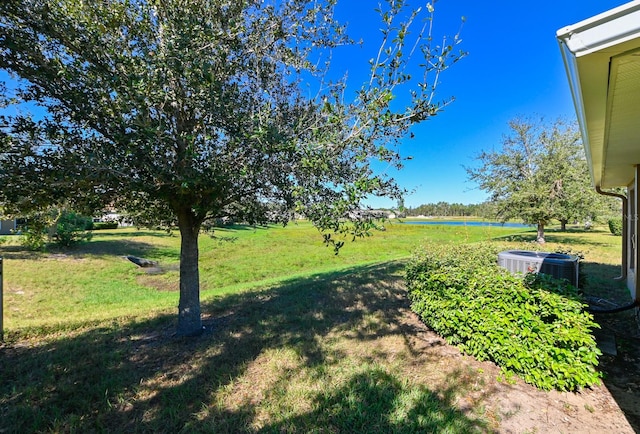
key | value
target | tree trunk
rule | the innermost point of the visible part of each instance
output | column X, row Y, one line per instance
column 563, row 225
column 540, row 235
column 189, row 321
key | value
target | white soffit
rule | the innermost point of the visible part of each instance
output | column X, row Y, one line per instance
column 603, row 65
column 622, row 140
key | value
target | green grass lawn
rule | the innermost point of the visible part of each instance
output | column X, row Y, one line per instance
column 298, row 339
column 95, row 282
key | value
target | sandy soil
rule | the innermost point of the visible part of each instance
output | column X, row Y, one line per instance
column 516, row 407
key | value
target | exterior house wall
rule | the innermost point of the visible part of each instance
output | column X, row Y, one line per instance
column 631, row 238
column 7, row 227
column 632, row 229
column 632, row 247
column 602, row 64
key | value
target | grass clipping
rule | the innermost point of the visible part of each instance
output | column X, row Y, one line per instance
column 534, row 327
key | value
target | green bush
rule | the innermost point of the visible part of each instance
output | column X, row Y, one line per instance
column 72, row 228
column 615, row 226
column 534, row 327
column 105, row 225
column 34, row 232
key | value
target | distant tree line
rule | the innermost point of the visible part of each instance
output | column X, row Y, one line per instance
column 445, row 209
column 605, row 209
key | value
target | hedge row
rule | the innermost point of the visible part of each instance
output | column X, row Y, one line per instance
column 534, row 327
column 104, row 225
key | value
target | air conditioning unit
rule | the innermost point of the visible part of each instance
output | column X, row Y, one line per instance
column 558, row 265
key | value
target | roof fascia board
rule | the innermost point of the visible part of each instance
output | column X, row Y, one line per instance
column 602, row 31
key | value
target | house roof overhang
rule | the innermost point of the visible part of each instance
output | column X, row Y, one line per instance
column 602, row 60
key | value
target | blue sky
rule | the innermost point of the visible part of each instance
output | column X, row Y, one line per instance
column 514, row 68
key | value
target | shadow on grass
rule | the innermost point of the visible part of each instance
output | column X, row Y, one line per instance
column 123, row 247
column 131, row 232
column 135, row 233
column 122, row 244
column 620, row 372
column 602, row 280
column 366, row 404
column 19, row 252
column 559, row 237
column 240, row 227
column 135, row 376
column 120, row 247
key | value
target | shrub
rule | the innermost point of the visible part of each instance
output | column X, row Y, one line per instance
column 34, row 233
column 72, row 228
column 105, row 225
column 64, row 228
column 534, row 327
column 615, row 226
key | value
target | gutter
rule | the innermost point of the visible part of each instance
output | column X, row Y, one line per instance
column 571, row 67
column 602, row 31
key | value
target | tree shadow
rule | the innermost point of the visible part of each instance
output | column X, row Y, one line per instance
column 557, row 236
column 19, row 252
column 136, row 376
column 134, row 233
column 368, row 403
column 122, row 247
column 241, row 227
column 620, row 371
column 118, row 246
column 602, row 280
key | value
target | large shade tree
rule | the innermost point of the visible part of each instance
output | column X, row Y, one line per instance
column 182, row 111
column 539, row 174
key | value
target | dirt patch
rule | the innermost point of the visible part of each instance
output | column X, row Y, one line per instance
column 159, row 282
